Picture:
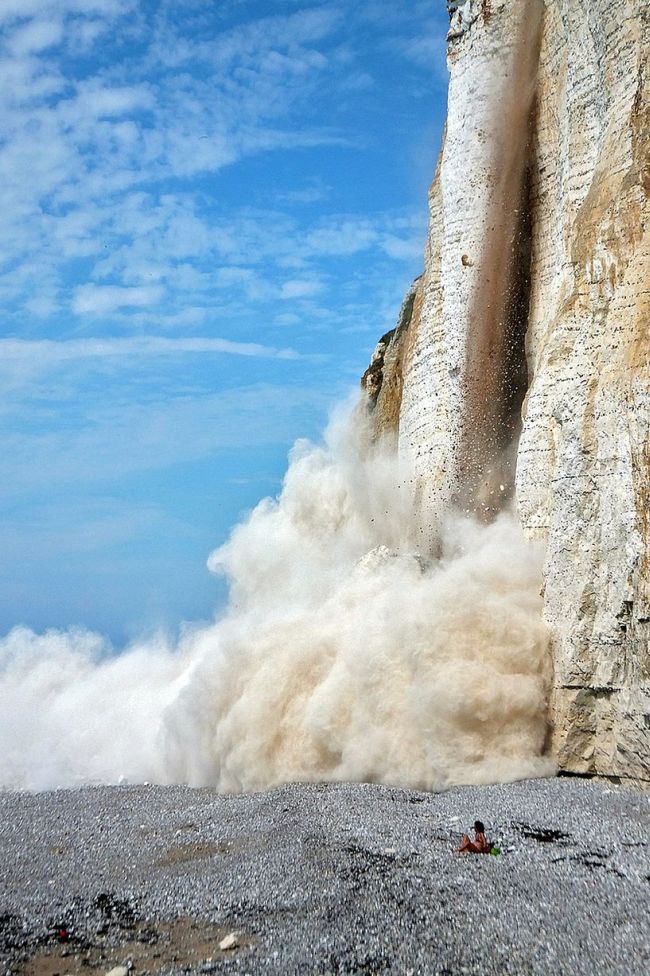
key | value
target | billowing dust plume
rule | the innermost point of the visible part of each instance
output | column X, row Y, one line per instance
column 343, row 654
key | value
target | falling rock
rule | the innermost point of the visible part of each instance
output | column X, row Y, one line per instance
column 229, row 942
column 118, row 971
column 381, row 556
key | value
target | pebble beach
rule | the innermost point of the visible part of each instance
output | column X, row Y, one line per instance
column 325, row 879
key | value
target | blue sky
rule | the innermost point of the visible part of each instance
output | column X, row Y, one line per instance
column 210, row 211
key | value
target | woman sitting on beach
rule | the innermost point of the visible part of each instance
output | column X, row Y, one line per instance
column 477, row 846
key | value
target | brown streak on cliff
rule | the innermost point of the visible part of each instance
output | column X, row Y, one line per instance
column 495, row 374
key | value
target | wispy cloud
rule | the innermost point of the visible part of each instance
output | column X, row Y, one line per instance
column 12, row 10
column 101, row 168
column 100, row 299
column 313, row 192
column 300, row 288
column 118, row 438
column 50, row 351
column 77, row 150
column 201, row 238
column 35, row 36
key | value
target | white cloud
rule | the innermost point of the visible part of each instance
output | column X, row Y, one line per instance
column 313, row 192
column 409, row 249
column 117, row 119
column 94, row 101
column 246, row 252
column 259, row 44
column 119, row 437
column 427, row 50
column 77, row 150
column 35, row 36
column 19, row 9
column 55, row 529
column 300, row 288
column 42, row 305
column 287, row 318
column 99, row 169
column 342, row 237
column 49, row 352
column 100, row 299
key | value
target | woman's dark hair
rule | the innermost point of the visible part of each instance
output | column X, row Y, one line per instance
column 479, row 827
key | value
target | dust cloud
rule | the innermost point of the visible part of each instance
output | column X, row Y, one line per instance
column 344, row 653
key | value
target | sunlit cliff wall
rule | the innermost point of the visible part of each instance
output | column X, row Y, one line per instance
column 522, row 360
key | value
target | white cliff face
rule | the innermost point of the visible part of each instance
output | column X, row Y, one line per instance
column 539, row 227
column 462, row 14
column 583, row 471
column 456, row 421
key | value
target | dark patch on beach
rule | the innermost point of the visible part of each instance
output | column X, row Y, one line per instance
column 543, row 835
column 116, row 911
column 591, row 860
column 356, row 962
column 11, row 932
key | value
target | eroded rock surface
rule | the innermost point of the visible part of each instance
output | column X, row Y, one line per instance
column 583, row 474
column 539, row 229
column 383, row 381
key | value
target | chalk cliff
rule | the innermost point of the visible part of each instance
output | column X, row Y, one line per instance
column 521, row 363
